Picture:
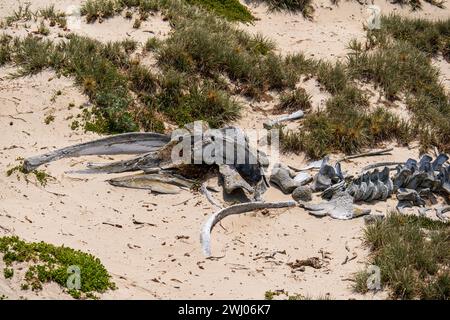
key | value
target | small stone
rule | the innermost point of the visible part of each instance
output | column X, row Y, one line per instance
column 302, row 194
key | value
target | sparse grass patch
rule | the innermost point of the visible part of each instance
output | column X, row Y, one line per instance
column 42, row 29
column 49, row 263
column 413, row 254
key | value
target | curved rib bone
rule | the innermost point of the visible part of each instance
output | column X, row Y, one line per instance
column 127, row 143
column 205, row 235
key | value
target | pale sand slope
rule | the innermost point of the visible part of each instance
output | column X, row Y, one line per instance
column 164, row 261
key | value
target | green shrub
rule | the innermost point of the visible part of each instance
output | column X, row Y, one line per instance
column 50, row 264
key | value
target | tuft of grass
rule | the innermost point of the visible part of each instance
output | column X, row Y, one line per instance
column 232, row 10
column 305, row 7
column 185, row 102
column 99, row 9
column 413, row 254
column 49, row 263
column 53, row 16
column 43, row 29
column 333, row 77
column 49, row 119
column 137, row 23
column 152, row 44
column 295, row 100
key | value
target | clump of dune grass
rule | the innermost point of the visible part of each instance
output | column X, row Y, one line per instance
column 430, row 37
column 346, row 125
column 305, row 7
column 413, row 254
column 152, row 44
column 5, row 49
column 297, row 99
column 210, row 46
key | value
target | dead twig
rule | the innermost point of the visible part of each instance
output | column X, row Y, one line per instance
column 113, row 225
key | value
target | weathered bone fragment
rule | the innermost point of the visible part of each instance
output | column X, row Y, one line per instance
column 380, row 164
column 233, row 180
column 127, row 143
column 165, row 183
column 408, row 198
column 146, row 162
column 205, row 235
column 444, row 177
column 439, row 161
column 339, row 207
column 281, row 176
column 366, row 154
column 303, row 178
column 290, row 117
column 327, row 176
column 440, row 213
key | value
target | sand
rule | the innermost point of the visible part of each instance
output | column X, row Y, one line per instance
column 165, row 261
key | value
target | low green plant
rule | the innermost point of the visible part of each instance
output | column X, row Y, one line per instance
column 49, row 263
